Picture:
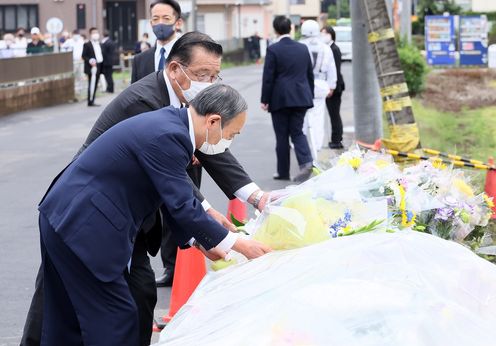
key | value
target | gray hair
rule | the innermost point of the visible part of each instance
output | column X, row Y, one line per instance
column 219, row 99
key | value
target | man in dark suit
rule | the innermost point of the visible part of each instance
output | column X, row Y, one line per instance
column 108, row 53
column 165, row 19
column 287, row 92
column 334, row 102
column 90, row 217
column 200, row 53
column 93, row 58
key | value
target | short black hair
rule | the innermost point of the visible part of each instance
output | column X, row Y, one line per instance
column 145, row 34
column 330, row 30
column 172, row 3
column 282, row 25
column 92, row 29
column 182, row 50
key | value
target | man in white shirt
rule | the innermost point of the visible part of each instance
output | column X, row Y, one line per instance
column 165, row 20
column 93, row 58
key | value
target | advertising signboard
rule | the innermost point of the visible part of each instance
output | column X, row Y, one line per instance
column 440, row 40
column 473, row 40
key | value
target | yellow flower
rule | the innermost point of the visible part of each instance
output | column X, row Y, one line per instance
column 438, row 163
column 463, row 187
column 489, row 201
column 355, row 162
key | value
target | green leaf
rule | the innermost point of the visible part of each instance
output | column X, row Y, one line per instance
column 235, row 221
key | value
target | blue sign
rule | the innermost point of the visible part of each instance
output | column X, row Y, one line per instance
column 440, row 40
column 473, row 40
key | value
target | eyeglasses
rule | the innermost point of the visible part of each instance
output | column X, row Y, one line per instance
column 204, row 77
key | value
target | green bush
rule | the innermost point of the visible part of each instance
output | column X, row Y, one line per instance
column 414, row 67
column 492, row 34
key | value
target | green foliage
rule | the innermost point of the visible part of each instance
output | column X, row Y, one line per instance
column 414, row 66
column 344, row 10
column 492, row 34
column 433, row 7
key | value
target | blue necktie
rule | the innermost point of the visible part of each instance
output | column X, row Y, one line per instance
column 161, row 62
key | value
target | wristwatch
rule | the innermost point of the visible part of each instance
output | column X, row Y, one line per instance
column 258, row 197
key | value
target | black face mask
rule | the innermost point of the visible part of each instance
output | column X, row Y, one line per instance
column 20, row 35
column 163, row 31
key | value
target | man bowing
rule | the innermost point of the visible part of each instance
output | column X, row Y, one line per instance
column 90, row 216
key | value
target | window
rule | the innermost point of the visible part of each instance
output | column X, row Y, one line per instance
column 14, row 16
column 297, row 2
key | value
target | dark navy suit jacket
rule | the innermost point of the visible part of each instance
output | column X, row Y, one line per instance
column 100, row 201
column 287, row 76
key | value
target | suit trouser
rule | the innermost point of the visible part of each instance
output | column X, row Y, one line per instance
column 108, row 71
column 288, row 122
column 93, row 84
column 168, row 248
column 78, row 308
column 141, row 281
column 333, row 107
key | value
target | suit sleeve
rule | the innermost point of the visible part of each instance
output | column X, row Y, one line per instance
column 134, row 72
column 310, row 75
column 165, row 159
column 225, row 170
column 269, row 74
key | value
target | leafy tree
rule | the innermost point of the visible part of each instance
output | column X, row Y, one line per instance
column 344, row 10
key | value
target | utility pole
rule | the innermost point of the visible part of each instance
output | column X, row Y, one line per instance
column 367, row 103
column 406, row 20
column 288, row 8
column 338, row 9
column 193, row 15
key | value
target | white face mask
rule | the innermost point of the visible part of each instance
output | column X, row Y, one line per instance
column 95, row 37
column 214, row 149
column 194, row 88
column 326, row 38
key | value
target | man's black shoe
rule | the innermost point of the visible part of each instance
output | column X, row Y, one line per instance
column 93, row 105
column 338, row 145
column 165, row 280
column 304, row 175
column 276, row 176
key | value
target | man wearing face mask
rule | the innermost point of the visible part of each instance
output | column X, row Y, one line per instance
column 194, row 62
column 165, row 21
column 93, row 58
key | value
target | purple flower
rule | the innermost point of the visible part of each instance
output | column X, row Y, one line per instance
column 444, row 214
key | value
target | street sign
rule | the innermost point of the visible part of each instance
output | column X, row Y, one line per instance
column 54, row 25
column 473, row 40
column 440, row 40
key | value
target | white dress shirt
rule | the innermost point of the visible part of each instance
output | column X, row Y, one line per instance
column 167, row 46
column 98, row 51
column 228, row 242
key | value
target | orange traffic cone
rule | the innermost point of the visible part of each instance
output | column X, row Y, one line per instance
column 237, row 209
column 490, row 187
column 189, row 271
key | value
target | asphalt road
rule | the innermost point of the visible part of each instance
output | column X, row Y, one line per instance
column 35, row 145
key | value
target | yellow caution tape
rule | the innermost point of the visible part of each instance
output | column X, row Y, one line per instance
column 379, row 35
column 395, row 105
column 402, row 137
column 394, row 89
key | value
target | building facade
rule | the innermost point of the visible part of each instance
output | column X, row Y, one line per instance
column 120, row 18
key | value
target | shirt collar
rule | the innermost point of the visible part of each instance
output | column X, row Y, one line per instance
column 174, row 100
column 283, row 36
column 191, row 130
column 167, row 46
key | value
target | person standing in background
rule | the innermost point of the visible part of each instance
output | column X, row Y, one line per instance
column 21, row 42
column 165, row 20
column 287, row 93
column 93, row 58
column 108, row 52
column 324, row 72
column 334, row 102
column 142, row 45
column 37, row 45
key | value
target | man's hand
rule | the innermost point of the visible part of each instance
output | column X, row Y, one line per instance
column 195, row 161
column 221, row 219
column 331, row 91
column 265, row 106
column 250, row 248
column 213, row 254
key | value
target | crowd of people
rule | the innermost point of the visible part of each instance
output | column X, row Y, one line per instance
column 133, row 188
